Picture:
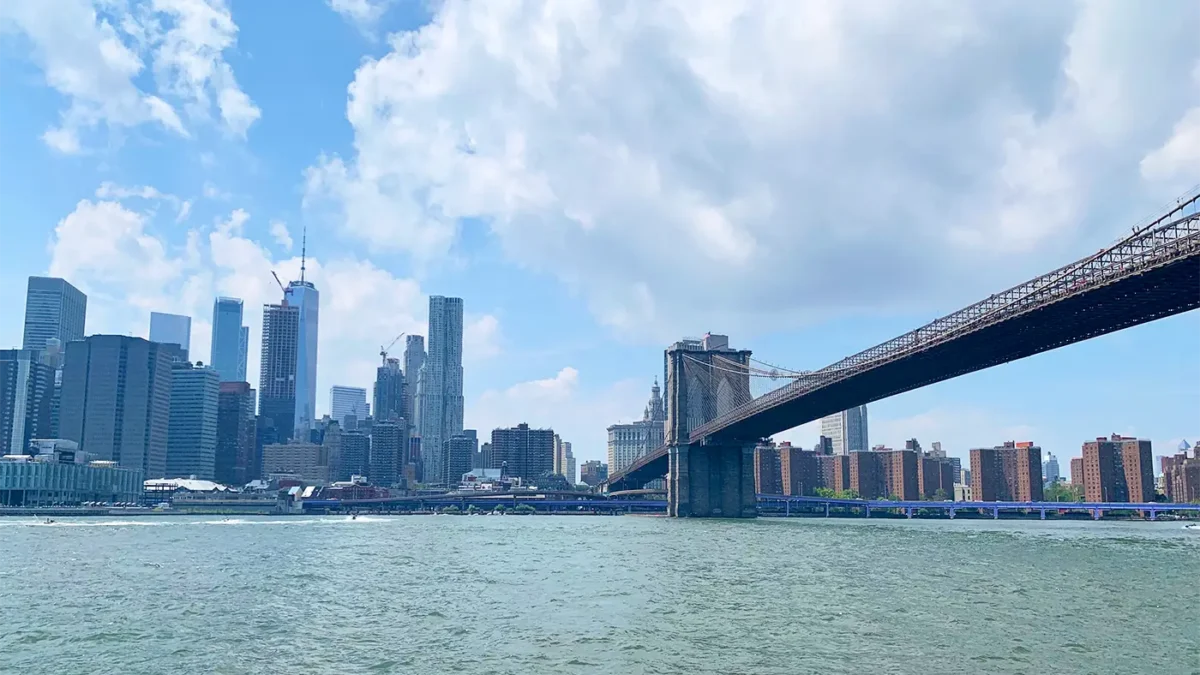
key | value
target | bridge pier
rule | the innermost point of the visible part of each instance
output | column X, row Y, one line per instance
column 952, row 514
column 1043, row 512
column 1153, row 514
column 711, row 480
column 908, row 512
column 995, row 513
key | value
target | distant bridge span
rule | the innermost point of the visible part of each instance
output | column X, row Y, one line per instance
column 1151, row 274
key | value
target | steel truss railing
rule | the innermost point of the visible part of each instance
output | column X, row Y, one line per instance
column 1170, row 237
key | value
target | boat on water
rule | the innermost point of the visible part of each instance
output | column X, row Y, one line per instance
column 1194, row 528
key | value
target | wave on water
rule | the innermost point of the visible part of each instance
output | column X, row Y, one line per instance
column 163, row 521
column 102, row 523
column 358, row 519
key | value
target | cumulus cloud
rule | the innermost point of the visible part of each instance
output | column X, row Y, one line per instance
column 686, row 164
column 114, row 249
column 94, row 53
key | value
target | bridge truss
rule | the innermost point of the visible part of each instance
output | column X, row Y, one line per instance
column 1168, row 239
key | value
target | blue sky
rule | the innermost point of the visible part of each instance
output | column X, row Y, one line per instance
column 599, row 178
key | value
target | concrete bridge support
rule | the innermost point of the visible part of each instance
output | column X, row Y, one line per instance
column 711, row 480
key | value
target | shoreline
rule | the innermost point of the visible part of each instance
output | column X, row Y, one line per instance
column 70, row 512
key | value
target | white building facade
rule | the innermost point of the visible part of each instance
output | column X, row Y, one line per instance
column 628, row 442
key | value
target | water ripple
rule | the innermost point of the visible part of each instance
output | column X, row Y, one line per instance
column 595, row 595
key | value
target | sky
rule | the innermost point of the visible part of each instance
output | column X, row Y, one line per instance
column 602, row 177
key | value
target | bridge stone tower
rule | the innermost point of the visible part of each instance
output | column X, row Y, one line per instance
column 708, row 477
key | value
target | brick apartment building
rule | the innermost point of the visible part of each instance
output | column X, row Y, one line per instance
column 1009, row 472
column 1118, row 469
column 1181, row 475
column 768, row 479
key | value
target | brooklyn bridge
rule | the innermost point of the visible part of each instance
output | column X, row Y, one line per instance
column 714, row 422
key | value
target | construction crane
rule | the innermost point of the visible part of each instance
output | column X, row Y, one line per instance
column 383, row 351
column 281, row 287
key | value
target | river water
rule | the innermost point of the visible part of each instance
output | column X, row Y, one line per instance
column 560, row 594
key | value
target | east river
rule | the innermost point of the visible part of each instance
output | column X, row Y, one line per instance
column 547, row 594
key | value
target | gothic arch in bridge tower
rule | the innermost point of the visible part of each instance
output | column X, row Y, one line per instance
column 695, row 402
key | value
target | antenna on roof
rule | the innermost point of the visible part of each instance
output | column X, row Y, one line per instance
column 303, row 251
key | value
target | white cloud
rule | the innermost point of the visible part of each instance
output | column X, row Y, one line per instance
column 686, row 164
column 107, row 242
column 481, row 337
column 109, row 190
column 85, row 59
column 1179, row 157
column 363, row 13
column 279, row 232
column 188, row 61
column 151, row 196
column 94, row 52
column 211, row 191
column 563, row 403
column 129, row 266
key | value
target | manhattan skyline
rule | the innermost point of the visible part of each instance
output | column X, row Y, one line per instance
column 573, row 340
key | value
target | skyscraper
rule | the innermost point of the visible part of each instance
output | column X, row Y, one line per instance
column 441, row 381
column 26, row 396
column 229, row 338
column 116, row 400
column 277, row 373
column 1050, row 473
column 172, row 329
column 192, row 430
column 847, row 430
column 528, row 453
column 564, row 459
column 354, row 458
column 347, row 402
column 388, row 441
column 53, row 309
column 235, row 463
column 414, row 358
column 304, row 297
column 243, row 353
column 459, row 452
column 390, row 395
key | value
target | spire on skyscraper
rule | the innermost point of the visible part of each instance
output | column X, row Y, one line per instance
column 303, row 251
